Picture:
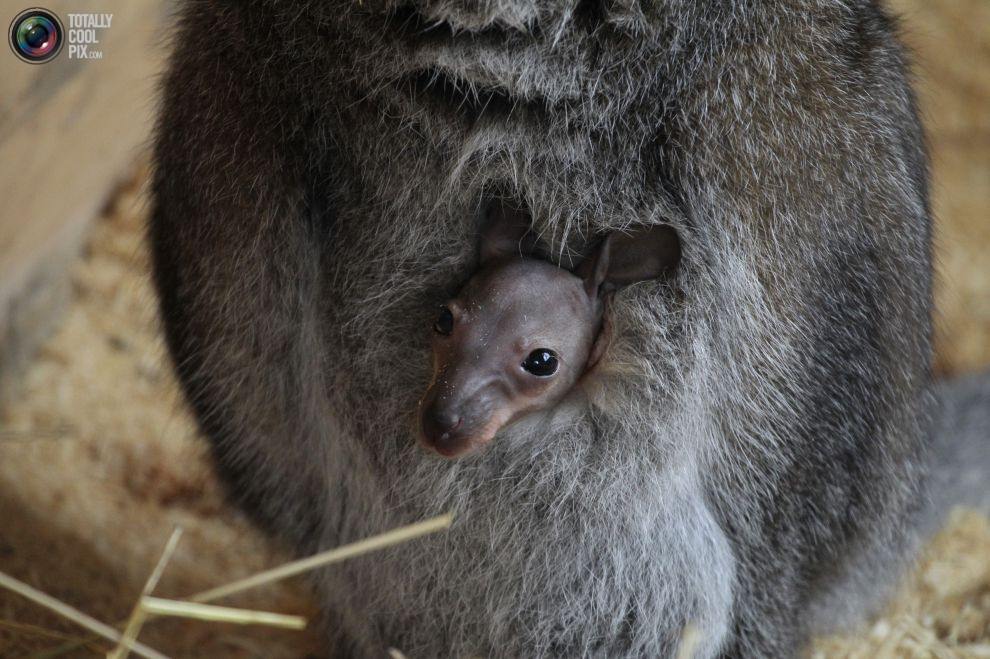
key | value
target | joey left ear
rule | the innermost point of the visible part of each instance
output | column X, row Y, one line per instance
column 627, row 258
column 506, row 232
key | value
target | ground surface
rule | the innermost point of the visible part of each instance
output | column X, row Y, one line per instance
column 99, row 458
column 951, row 42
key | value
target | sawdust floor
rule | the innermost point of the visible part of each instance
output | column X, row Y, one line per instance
column 950, row 40
column 99, row 460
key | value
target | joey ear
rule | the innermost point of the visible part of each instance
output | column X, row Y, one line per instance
column 594, row 269
column 643, row 254
column 506, row 231
column 627, row 258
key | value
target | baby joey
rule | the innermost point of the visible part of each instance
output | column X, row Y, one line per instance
column 522, row 332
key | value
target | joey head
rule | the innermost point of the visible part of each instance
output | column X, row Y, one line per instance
column 522, row 332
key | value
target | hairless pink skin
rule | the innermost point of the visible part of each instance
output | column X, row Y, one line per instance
column 515, row 308
column 505, row 312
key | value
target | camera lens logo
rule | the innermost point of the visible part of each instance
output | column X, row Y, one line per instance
column 36, row 35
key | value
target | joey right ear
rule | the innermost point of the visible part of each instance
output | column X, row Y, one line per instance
column 641, row 254
column 506, row 232
column 625, row 258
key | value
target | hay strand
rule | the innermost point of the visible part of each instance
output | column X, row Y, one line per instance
column 374, row 543
column 690, row 639
column 176, row 608
column 138, row 616
column 75, row 615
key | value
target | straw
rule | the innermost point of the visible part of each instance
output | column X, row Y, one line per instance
column 374, row 543
column 75, row 615
column 176, row 608
column 690, row 639
column 137, row 618
column 293, row 568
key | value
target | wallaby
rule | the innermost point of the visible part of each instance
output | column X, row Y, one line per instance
column 523, row 331
column 754, row 446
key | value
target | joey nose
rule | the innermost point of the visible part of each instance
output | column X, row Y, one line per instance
column 440, row 424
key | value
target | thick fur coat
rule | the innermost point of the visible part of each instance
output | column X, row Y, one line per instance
column 755, row 440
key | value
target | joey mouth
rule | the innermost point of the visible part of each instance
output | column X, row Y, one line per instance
column 456, row 449
column 450, row 436
column 454, row 428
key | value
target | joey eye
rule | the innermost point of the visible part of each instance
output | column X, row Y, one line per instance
column 541, row 363
column 445, row 322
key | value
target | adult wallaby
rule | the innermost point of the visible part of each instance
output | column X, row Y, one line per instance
column 754, row 445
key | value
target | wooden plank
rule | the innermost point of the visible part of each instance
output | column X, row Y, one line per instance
column 69, row 130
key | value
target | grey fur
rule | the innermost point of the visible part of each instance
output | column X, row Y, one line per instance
column 757, row 436
column 961, row 439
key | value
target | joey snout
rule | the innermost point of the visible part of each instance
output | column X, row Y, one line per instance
column 452, row 424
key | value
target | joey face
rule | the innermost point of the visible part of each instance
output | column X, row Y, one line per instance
column 514, row 341
column 522, row 331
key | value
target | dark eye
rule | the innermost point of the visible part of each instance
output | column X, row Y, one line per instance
column 445, row 322
column 541, row 362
